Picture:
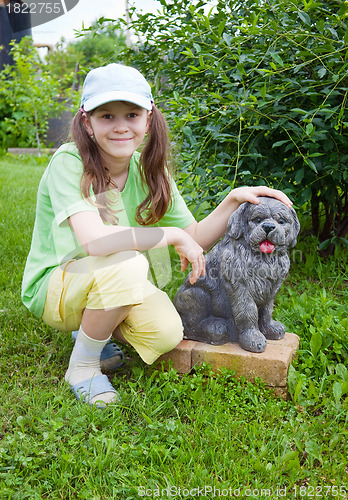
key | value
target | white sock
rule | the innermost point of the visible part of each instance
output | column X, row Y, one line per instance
column 85, row 363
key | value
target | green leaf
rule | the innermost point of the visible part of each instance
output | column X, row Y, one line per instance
column 188, row 132
column 342, row 371
column 290, row 455
column 322, row 72
column 315, row 155
column 297, row 390
column 200, row 171
column 292, row 379
column 336, row 438
column 309, row 128
column 298, row 443
column 171, row 425
column 299, row 175
column 263, row 91
column 311, row 165
column 197, row 395
column 147, row 418
column 279, row 143
column 323, row 359
column 304, row 17
column 277, row 58
column 228, row 38
column 313, row 449
column 312, row 392
column 344, row 387
column 221, row 27
column 324, row 244
column 315, row 342
column 299, row 110
column 337, row 391
column 21, row 422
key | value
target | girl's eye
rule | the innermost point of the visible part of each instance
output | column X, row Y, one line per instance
column 107, row 116
column 132, row 115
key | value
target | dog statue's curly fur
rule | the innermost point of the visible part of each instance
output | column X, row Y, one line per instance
column 244, row 271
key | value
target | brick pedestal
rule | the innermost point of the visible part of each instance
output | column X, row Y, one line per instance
column 271, row 365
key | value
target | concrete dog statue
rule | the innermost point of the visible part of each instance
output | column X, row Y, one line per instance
column 233, row 302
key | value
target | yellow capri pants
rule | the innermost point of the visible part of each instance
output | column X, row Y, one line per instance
column 153, row 326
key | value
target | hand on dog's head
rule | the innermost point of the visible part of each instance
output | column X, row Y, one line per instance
column 267, row 227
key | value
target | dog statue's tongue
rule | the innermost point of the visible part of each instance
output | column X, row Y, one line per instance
column 266, row 246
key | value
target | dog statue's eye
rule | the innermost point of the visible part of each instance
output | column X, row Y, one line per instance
column 281, row 221
column 257, row 220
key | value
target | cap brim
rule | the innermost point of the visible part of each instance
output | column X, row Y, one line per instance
column 98, row 100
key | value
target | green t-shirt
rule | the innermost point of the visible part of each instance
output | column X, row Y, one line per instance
column 59, row 197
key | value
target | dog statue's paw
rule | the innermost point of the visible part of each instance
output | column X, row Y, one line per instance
column 214, row 331
column 252, row 340
column 274, row 330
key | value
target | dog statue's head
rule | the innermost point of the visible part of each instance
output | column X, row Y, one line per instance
column 270, row 226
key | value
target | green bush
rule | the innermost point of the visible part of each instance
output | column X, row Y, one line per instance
column 28, row 97
column 97, row 45
column 256, row 93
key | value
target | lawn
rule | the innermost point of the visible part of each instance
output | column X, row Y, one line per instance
column 191, row 436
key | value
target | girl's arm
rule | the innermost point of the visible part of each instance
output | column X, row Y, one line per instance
column 99, row 239
column 209, row 230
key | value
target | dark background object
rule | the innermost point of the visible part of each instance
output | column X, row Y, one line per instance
column 58, row 129
column 13, row 26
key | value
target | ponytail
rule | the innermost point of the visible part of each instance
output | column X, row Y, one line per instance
column 154, row 172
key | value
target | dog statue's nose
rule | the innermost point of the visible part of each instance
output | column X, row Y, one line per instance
column 268, row 227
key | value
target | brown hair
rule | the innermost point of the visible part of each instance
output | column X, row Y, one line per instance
column 154, row 171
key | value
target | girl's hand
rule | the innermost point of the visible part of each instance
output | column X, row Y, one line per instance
column 190, row 251
column 251, row 194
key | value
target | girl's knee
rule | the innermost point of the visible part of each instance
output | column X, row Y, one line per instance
column 170, row 333
column 155, row 335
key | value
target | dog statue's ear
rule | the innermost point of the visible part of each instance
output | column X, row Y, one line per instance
column 235, row 226
column 296, row 228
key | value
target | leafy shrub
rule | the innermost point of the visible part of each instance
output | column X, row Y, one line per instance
column 256, row 92
column 28, row 97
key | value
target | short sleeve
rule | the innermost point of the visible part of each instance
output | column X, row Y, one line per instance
column 178, row 215
column 63, row 180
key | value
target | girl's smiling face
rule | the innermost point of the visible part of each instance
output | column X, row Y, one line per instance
column 119, row 129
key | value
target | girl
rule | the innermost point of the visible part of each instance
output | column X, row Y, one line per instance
column 100, row 204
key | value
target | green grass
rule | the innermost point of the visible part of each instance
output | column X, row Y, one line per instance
column 176, row 432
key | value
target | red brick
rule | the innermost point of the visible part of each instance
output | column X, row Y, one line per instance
column 180, row 357
column 271, row 365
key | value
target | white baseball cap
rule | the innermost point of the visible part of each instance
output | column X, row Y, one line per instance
column 115, row 82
